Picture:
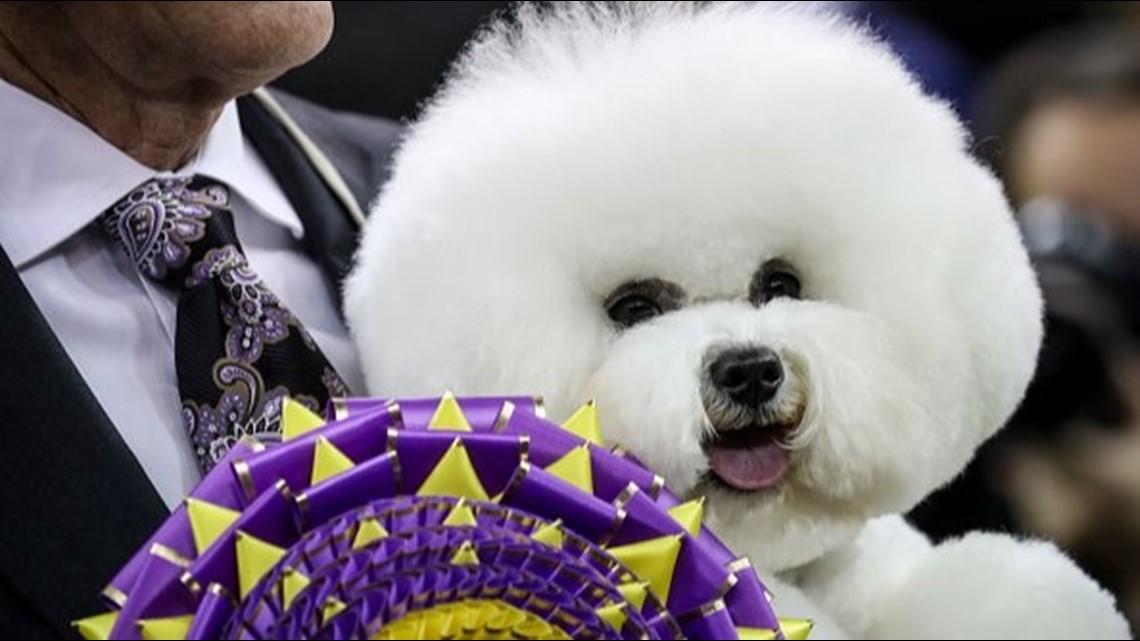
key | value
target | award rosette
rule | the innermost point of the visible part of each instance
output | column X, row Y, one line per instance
column 471, row 518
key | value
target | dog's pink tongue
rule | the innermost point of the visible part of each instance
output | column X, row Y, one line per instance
column 749, row 468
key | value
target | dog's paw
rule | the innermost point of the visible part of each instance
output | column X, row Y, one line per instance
column 989, row 586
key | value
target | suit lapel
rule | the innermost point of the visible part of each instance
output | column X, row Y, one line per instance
column 331, row 217
column 70, row 490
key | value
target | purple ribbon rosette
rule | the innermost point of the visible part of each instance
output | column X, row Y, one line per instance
column 470, row 518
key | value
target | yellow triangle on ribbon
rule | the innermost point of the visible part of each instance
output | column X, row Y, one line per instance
column 454, row 475
column 292, row 584
column 584, row 423
column 635, row 593
column 755, row 634
column 332, row 607
column 96, row 628
column 255, row 558
column 449, row 416
column 690, row 515
column 465, row 555
column 614, row 615
column 174, row 628
column 796, row 629
column 575, row 468
column 328, row 461
column 653, row 561
column 460, row 515
column 208, row 522
column 296, row 419
column 550, row 534
column 368, row 532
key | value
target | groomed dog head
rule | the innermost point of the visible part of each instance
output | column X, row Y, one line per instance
column 746, row 232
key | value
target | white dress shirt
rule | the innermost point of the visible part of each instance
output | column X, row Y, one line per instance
column 56, row 177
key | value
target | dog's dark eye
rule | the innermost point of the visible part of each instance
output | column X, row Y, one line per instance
column 776, row 279
column 780, row 284
column 631, row 310
column 641, row 300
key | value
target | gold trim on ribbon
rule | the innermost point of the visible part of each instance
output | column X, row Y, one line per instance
column 169, row 555
column 739, row 565
column 506, row 412
column 115, row 596
column 245, row 478
column 396, row 414
column 190, row 583
column 724, row 588
column 340, row 408
column 390, row 447
column 516, row 479
column 626, row 496
column 656, row 487
column 301, row 500
column 705, row 610
column 283, row 489
column 253, row 444
column 220, row 591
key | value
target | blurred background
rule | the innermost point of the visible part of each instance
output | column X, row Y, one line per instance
column 1051, row 91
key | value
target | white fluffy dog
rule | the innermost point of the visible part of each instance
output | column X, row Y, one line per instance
column 749, row 235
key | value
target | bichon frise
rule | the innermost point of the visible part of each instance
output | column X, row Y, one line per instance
column 770, row 258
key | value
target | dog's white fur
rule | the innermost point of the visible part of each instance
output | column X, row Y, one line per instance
column 575, row 150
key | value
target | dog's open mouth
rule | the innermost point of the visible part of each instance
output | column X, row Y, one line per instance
column 749, row 459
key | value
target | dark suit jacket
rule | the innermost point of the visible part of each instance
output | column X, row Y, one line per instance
column 74, row 502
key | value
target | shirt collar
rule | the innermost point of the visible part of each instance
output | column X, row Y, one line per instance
column 57, row 176
column 226, row 156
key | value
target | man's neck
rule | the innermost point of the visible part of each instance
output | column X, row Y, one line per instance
column 162, row 130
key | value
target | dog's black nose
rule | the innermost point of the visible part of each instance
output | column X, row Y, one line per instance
column 749, row 376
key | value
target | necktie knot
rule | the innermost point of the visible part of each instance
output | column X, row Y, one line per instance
column 165, row 225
